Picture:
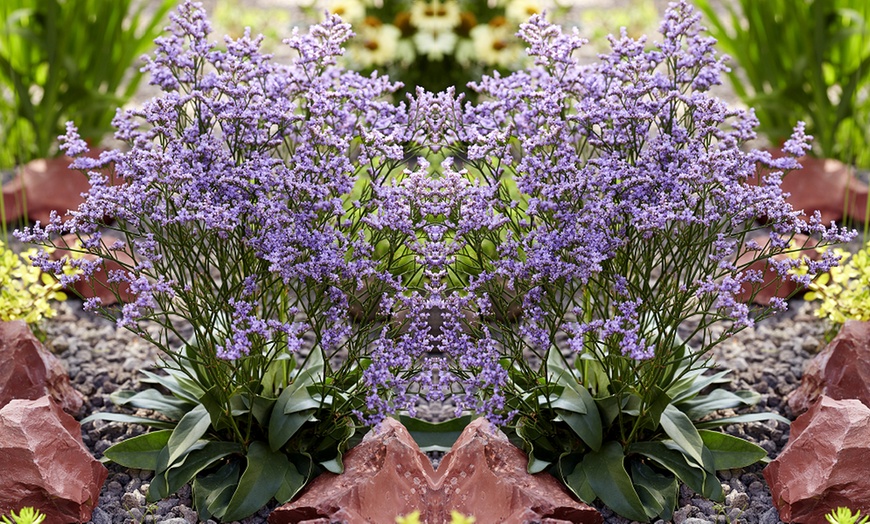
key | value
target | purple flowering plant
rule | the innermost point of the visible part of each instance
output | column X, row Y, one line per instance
column 311, row 257
column 251, row 254
column 629, row 200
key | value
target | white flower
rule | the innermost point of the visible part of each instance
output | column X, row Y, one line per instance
column 435, row 45
column 435, row 16
column 496, row 46
column 350, row 11
column 519, row 11
column 375, row 44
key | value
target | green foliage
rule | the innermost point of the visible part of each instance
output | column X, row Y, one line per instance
column 606, row 442
column 27, row 515
column 64, row 60
column 290, row 437
column 844, row 292
column 807, row 60
column 25, row 291
column 844, row 516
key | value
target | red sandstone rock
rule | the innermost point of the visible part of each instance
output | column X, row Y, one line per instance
column 45, row 185
column 97, row 285
column 384, row 476
column 826, row 185
column 824, row 464
column 840, row 371
column 30, row 371
column 773, row 285
column 483, row 475
column 45, row 463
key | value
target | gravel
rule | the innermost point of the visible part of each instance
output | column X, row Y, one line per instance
column 102, row 359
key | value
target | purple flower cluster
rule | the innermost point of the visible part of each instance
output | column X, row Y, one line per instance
column 260, row 201
column 635, row 197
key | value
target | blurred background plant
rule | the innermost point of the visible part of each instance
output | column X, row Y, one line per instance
column 844, row 292
column 436, row 44
column 25, row 291
column 64, row 60
column 807, row 60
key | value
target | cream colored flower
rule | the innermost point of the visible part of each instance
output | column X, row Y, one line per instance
column 375, row 44
column 496, row 46
column 435, row 16
column 519, row 11
column 435, row 45
column 350, row 11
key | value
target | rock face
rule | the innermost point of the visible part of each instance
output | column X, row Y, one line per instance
column 42, row 186
column 840, row 371
column 45, row 463
column 824, row 464
column 30, row 371
column 482, row 475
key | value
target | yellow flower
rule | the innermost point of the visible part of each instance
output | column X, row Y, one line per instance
column 519, row 11
column 496, row 45
column 350, row 11
column 375, row 44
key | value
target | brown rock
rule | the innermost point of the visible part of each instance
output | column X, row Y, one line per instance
column 773, row 285
column 45, row 463
column 384, row 476
column 483, row 475
column 30, row 371
column 824, row 464
column 826, row 185
column 45, row 185
column 840, row 371
column 98, row 286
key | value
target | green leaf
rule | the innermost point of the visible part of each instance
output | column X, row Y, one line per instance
column 121, row 417
column 574, row 404
column 693, row 382
column 171, row 383
column 587, row 426
column 730, row 452
column 700, row 407
column 657, row 492
column 677, row 425
column 292, row 483
column 674, row 460
column 282, row 426
column 263, row 477
column 574, row 477
column 196, row 461
column 141, row 451
column 171, row 407
column 605, row 472
column 190, row 429
column 212, row 493
column 737, row 419
column 262, row 409
column 439, row 436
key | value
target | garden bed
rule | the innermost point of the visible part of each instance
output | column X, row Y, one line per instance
column 768, row 359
